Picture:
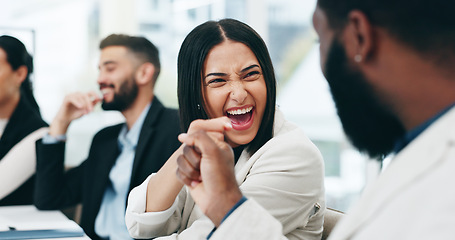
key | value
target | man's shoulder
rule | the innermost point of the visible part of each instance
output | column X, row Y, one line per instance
column 160, row 115
column 171, row 113
column 160, row 108
column 109, row 131
column 168, row 121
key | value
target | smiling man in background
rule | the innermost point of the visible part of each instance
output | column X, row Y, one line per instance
column 121, row 156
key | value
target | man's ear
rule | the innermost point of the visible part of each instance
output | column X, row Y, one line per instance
column 144, row 73
column 359, row 37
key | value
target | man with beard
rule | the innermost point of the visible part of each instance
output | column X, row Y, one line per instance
column 390, row 67
column 121, row 156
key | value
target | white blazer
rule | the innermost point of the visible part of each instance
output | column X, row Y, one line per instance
column 414, row 198
column 285, row 176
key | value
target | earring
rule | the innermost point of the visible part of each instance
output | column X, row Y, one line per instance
column 358, row 58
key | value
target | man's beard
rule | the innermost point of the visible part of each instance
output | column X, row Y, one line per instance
column 126, row 95
column 367, row 122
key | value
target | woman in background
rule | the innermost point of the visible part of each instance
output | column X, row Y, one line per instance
column 21, row 124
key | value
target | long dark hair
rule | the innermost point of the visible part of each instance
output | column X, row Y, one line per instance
column 17, row 56
column 192, row 55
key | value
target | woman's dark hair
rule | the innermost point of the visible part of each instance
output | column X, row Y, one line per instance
column 17, row 56
column 190, row 63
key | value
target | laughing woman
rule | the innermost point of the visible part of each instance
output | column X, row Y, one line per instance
column 225, row 74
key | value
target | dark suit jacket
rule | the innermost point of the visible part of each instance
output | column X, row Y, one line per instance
column 22, row 122
column 86, row 183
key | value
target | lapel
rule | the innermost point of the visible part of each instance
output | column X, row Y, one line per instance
column 245, row 162
column 413, row 162
column 147, row 131
column 105, row 160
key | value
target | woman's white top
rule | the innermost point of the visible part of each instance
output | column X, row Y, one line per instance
column 19, row 164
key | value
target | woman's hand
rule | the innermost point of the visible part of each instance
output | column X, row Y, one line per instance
column 164, row 186
column 215, row 127
column 207, row 167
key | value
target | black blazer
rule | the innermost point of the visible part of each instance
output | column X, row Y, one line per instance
column 22, row 122
column 87, row 182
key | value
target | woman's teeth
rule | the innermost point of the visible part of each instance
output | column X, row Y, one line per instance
column 240, row 111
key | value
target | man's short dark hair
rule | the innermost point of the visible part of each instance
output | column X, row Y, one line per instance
column 140, row 46
column 427, row 26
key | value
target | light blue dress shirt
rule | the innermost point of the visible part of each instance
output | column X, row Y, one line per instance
column 110, row 221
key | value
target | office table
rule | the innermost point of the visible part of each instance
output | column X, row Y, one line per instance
column 50, row 225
